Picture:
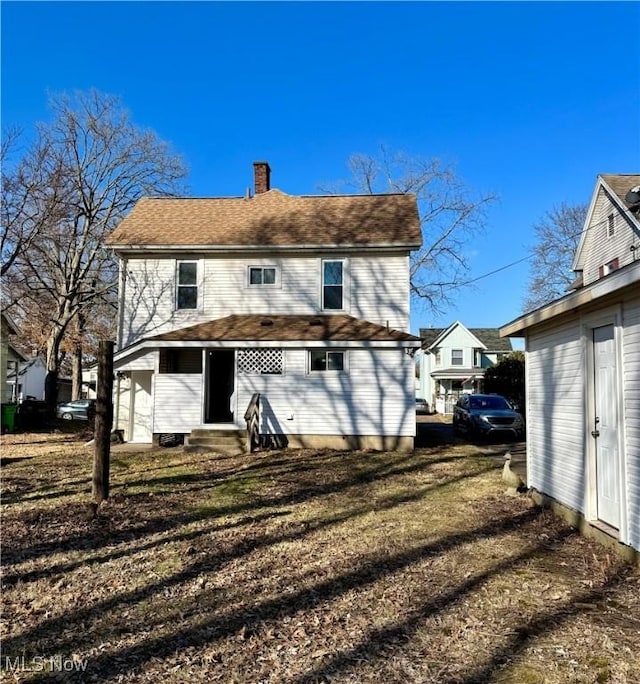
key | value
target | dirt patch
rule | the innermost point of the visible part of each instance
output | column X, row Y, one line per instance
column 302, row 566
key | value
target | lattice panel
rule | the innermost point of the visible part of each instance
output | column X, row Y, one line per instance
column 260, row 361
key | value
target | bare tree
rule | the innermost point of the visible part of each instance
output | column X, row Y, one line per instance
column 451, row 214
column 557, row 237
column 95, row 164
column 28, row 198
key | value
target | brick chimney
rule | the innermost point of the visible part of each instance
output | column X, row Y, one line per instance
column 261, row 177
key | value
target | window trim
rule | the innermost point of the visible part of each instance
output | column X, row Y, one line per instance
column 276, row 280
column 179, row 285
column 454, row 363
column 343, row 285
column 326, row 352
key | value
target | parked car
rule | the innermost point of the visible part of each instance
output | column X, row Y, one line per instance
column 422, row 406
column 484, row 415
column 78, row 409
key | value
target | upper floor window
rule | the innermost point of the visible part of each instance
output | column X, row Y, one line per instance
column 477, row 358
column 456, row 357
column 262, row 275
column 609, row 267
column 611, row 226
column 438, row 358
column 326, row 361
column 187, row 285
column 333, row 285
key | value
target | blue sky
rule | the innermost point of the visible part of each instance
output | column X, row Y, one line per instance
column 529, row 100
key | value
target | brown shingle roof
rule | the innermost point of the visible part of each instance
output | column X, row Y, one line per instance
column 490, row 337
column 621, row 184
column 272, row 219
column 285, row 328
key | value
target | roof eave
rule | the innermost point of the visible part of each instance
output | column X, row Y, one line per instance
column 617, row 280
column 153, row 344
column 150, row 247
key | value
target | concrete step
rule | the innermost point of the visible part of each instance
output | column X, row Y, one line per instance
column 225, row 449
column 205, row 432
column 229, row 442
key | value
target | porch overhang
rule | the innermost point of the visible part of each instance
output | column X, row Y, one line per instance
column 465, row 375
column 250, row 331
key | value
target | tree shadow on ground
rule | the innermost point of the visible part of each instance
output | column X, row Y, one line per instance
column 367, row 570
column 93, row 534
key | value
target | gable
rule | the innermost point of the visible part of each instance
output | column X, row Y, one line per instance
column 13, row 354
column 611, row 229
column 8, row 326
column 271, row 219
column 457, row 336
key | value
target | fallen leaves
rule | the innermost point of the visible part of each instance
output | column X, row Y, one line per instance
column 302, row 566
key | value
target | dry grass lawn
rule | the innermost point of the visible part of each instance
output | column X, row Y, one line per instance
column 300, row 567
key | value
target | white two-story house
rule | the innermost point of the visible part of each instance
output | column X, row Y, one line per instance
column 453, row 361
column 583, row 372
column 302, row 300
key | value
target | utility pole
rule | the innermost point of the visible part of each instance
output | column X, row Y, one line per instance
column 103, row 421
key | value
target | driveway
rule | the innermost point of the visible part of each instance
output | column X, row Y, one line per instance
column 437, row 430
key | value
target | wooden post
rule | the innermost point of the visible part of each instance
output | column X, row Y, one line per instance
column 103, row 421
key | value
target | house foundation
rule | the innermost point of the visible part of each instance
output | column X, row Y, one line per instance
column 590, row 529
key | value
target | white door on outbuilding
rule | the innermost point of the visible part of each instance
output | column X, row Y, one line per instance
column 141, row 407
column 605, row 430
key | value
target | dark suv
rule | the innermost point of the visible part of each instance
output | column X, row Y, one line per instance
column 484, row 415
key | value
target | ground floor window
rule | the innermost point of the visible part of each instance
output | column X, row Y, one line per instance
column 180, row 361
column 326, row 361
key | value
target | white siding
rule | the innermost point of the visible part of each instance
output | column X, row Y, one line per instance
column 177, row 402
column 374, row 397
column 600, row 249
column 140, row 361
column 376, row 289
column 458, row 338
column 555, row 414
column 631, row 384
column 123, row 407
column 380, row 290
column 556, row 423
column 148, row 298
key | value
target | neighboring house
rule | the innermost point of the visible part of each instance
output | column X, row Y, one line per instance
column 27, row 380
column 583, row 372
column 10, row 358
column 303, row 300
column 89, row 382
column 453, row 361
